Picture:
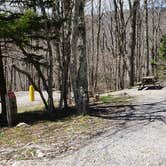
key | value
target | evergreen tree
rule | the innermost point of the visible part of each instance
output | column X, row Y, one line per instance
column 162, row 49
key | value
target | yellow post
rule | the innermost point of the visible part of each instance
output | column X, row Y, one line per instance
column 31, row 93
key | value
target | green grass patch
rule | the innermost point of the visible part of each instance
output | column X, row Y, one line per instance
column 161, row 72
column 38, row 107
column 31, row 108
column 115, row 99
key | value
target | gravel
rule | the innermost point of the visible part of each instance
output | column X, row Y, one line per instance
column 23, row 98
column 140, row 141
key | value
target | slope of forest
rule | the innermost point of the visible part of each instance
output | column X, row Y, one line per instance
column 114, row 46
column 112, row 67
column 55, row 46
column 83, row 69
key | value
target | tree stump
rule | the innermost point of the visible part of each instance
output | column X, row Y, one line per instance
column 11, row 109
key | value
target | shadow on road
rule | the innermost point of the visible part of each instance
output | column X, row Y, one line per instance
column 149, row 112
column 37, row 116
column 34, row 117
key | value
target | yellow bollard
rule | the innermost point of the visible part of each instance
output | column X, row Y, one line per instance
column 31, row 93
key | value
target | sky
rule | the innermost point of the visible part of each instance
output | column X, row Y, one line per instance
column 108, row 4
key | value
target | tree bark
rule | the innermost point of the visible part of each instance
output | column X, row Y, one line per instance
column 51, row 107
column 98, row 46
column 78, row 65
column 92, row 69
column 147, row 38
column 3, row 89
column 132, row 44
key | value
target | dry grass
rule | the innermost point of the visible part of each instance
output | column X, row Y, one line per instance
column 67, row 134
column 50, row 131
column 31, row 108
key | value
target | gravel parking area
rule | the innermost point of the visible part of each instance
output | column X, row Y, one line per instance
column 140, row 140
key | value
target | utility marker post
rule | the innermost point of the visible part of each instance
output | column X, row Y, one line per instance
column 31, row 93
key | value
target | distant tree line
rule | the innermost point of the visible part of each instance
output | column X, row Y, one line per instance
column 123, row 40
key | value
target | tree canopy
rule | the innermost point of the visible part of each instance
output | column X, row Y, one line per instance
column 17, row 26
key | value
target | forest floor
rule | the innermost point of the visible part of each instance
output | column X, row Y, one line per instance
column 131, row 130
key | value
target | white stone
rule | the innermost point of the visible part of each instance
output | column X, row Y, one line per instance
column 22, row 124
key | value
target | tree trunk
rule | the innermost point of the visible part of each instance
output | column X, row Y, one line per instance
column 92, row 69
column 51, row 107
column 98, row 46
column 133, row 13
column 147, row 38
column 78, row 65
column 2, row 88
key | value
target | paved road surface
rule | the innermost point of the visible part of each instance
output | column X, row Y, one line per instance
column 139, row 141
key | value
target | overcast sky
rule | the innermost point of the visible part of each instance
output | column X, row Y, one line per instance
column 108, row 4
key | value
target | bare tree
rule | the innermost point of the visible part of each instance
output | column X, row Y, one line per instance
column 147, row 37
column 3, row 86
column 78, row 67
column 133, row 13
column 98, row 44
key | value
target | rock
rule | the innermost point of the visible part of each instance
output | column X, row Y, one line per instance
column 22, row 124
column 40, row 154
column 124, row 94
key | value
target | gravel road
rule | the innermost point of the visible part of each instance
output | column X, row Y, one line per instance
column 23, row 98
column 140, row 141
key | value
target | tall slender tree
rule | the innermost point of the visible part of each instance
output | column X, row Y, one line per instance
column 2, row 87
column 78, row 65
column 147, row 37
column 132, row 43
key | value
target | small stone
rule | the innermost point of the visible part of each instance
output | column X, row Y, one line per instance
column 40, row 154
column 22, row 124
